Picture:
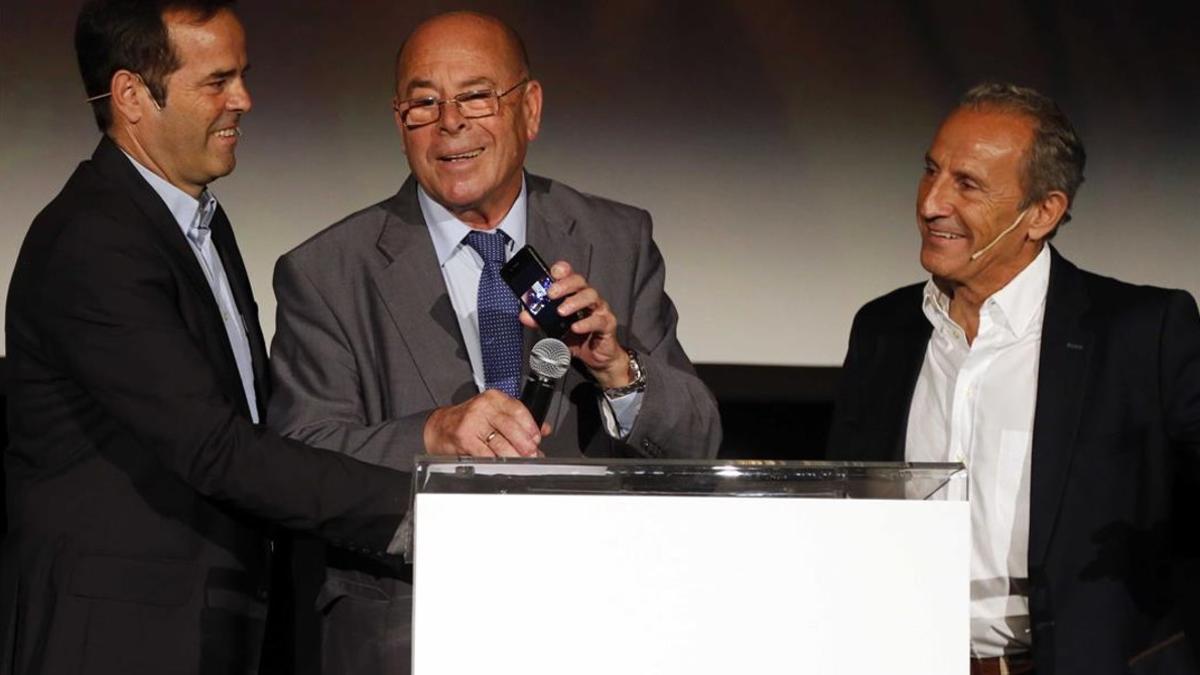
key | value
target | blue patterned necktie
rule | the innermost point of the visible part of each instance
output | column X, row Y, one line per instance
column 500, row 337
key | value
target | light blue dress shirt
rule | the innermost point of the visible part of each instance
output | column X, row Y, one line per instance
column 194, row 217
column 461, row 268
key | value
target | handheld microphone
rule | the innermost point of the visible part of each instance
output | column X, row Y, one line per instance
column 548, row 362
column 1010, row 228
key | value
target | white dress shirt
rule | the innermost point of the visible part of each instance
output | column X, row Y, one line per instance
column 193, row 217
column 461, row 268
column 975, row 404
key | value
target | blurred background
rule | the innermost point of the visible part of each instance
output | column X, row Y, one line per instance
column 777, row 143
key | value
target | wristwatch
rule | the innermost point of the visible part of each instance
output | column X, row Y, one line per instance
column 638, row 378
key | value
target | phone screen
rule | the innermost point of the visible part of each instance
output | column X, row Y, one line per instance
column 526, row 274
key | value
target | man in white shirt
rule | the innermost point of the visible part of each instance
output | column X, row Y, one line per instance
column 395, row 337
column 1073, row 400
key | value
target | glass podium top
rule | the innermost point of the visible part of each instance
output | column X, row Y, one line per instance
column 741, row 478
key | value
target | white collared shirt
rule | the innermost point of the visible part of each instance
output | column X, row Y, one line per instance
column 461, row 268
column 975, row 404
column 192, row 214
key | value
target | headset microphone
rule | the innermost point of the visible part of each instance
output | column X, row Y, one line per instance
column 1012, row 227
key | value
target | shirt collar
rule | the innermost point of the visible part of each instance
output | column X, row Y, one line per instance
column 1021, row 300
column 1015, row 306
column 188, row 211
column 448, row 232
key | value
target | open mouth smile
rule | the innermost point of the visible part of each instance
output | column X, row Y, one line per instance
column 944, row 235
column 461, row 156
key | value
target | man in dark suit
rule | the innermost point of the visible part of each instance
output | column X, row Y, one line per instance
column 1073, row 399
column 139, row 482
column 390, row 321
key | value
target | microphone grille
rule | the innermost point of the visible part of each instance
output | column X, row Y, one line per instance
column 550, row 358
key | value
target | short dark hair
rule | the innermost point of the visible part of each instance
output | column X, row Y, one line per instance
column 1056, row 156
column 112, row 35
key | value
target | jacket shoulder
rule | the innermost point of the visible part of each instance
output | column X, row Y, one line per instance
column 358, row 231
column 588, row 210
column 897, row 307
column 1121, row 301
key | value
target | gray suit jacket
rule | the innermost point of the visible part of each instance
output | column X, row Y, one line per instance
column 367, row 342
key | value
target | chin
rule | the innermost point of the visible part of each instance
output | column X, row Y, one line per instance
column 461, row 198
column 223, row 169
column 938, row 265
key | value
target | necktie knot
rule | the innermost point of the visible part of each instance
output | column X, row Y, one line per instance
column 490, row 245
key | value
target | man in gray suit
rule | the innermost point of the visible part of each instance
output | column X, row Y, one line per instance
column 394, row 337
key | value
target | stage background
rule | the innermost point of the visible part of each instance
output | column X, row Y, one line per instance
column 777, row 143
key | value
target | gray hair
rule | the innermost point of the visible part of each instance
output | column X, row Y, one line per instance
column 1056, row 156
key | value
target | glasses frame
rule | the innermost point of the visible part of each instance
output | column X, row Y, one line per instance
column 402, row 108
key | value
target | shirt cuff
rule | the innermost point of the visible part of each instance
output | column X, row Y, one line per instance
column 620, row 413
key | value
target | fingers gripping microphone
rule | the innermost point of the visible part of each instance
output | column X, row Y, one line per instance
column 548, row 362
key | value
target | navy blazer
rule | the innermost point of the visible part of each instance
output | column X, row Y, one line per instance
column 1116, row 443
column 138, row 488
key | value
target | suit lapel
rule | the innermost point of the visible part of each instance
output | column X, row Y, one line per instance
column 411, row 285
column 243, row 296
column 113, row 163
column 552, row 232
column 1062, row 374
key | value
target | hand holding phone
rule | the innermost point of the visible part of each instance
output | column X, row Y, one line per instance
column 529, row 278
column 589, row 329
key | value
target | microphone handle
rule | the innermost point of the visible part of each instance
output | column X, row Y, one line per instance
column 536, row 396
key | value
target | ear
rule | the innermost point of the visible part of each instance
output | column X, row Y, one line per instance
column 127, row 100
column 1045, row 215
column 531, row 109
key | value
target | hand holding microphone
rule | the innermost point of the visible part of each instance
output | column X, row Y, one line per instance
column 548, row 362
column 493, row 424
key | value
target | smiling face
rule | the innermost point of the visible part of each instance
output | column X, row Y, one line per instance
column 191, row 140
column 970, row 194
column 470, row 166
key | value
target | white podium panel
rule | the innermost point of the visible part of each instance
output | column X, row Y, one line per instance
column 560, row 584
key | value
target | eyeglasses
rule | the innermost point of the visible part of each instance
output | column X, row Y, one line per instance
column 473, row 104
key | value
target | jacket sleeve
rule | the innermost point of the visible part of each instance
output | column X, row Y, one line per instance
column 679, row 416
column 1179, row 351
column 318, row 397
column 112, row 312
column 847, row 408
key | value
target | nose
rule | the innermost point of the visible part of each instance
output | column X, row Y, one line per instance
column 451, row 120
column 932, row 196
column 239, row 100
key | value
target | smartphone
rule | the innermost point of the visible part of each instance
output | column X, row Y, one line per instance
column 529, row 278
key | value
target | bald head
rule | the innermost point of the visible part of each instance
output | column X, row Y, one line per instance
column 467, row 76
column 460, row 32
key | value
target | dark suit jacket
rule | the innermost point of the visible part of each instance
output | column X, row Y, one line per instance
column 1116, row 441
column 367, row 342
column 137, row 486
